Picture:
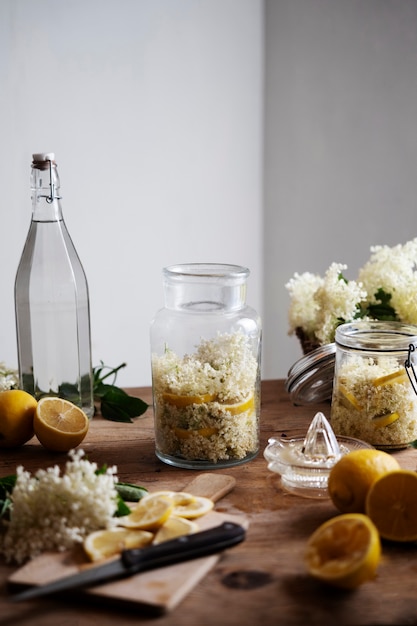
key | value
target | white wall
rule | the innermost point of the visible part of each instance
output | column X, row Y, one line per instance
column 340, row 143
column 154, row 111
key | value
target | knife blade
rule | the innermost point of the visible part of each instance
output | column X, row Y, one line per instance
column 137, row 560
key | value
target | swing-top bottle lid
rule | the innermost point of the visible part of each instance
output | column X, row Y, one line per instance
column 43, row 156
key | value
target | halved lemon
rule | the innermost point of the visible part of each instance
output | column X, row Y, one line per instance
column 184, row 433
column 240, row 407
column 59, row 424
column 344, row 551
column 400, row 376
column 348, row 399
column 385, row 420
column 182, row 401
column 391, row 504
column 175, row 527
column 103, row 544
column 149, row 515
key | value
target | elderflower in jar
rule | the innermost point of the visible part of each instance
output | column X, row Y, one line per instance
column 373, row 398
column 206, row 346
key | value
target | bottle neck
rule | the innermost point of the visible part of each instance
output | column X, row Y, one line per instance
column 46, row 206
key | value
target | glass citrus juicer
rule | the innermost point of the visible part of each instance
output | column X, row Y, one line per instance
column 304, row 463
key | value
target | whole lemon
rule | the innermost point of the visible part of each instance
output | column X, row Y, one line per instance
column 17, row 408
column 352, row 476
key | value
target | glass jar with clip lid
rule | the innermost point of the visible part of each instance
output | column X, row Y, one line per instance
column 373, row 396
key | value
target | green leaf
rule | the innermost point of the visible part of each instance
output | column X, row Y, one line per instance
column 130, row 492
column 118, row 406
column 7, row 484
column 115, row 403
column 122, row 508
column 6, row 487
column 382, row 309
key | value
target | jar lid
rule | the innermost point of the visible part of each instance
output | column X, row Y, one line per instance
column 310, row 379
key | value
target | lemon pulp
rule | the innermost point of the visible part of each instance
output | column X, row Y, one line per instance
column 344, row 551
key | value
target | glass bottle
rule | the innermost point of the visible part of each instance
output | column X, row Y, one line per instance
column 51, row 300
column 206, row 350
column 373, row 396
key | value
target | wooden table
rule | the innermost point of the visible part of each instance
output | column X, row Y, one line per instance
column 261, row 581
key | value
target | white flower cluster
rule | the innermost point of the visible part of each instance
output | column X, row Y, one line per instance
column 9, row 378
column 54, row 511
column 394, row 269
column 223, row 366
column 318, row 305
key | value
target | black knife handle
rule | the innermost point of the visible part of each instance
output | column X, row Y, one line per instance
column 183, row 548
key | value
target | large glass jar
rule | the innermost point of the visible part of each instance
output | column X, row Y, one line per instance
column 373, row 398
column 206, row 348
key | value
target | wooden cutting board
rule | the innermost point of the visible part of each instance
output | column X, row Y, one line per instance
column 157, row 591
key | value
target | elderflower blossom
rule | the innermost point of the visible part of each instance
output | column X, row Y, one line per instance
column 337, row 300
column 394, row 269
column 224, row 367
column 9, row 378
column 386, row 289
column 304, row 310
column 54, row 511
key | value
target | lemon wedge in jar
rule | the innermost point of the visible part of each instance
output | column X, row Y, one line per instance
column 400, row 376
column 385, row 420
column 181, row 401
column 348, row 399
column 184, row 433
column 240, row 407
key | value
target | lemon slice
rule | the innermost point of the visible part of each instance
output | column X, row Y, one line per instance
column 385, row 420
column 197, row 507
column 103, row 544
column 400, row 376
column 149, row 515
column 175, row 527
column 344, row 551
column 184, row 504
column 184, row 433
column 175, row 497
column 59, row 424
column 348, row 399
column 239, row 407
column 182, row 401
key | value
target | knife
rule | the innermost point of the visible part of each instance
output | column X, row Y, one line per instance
column 137, row 560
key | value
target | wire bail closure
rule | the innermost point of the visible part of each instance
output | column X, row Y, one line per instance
column 409, row 366
column 52, row 195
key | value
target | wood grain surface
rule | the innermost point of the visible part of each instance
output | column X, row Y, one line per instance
column 263, row 580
